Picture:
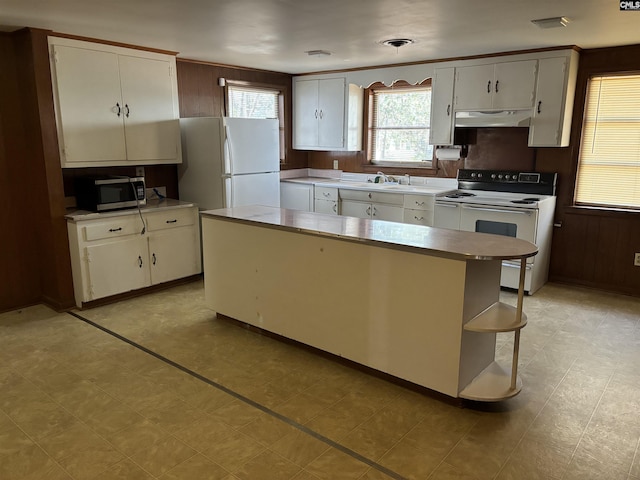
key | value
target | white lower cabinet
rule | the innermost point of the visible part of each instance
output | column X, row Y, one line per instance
column 114, row 255
column 325, row 200
column 296, row 196
column 115, row 266
column 376, row 205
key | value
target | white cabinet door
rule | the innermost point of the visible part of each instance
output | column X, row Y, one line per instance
column 116, row 267
column 306, row 114
column 329, row 207
column 88, row 105
column 390, row 213
column 349, row 208
column 547, row 121
column 474, row 87
column 441, row 132
column 514, row 84
column 296, row 196
column 331, row 104
column 151, row 123
column 173, row 254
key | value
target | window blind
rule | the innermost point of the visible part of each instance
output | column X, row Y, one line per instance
column 251, row 102
column 609, row 166
column 400, row 122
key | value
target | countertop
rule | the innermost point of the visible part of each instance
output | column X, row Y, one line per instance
column 438, row 242
column 382, row 187
column 150, row 207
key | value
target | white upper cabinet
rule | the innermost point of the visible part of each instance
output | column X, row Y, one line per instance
column 441, row 132
column 114, row 106
column 499, row 86
column 553, row 108
column 327, row 115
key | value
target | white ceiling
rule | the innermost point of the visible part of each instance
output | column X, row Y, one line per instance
column 274, row 34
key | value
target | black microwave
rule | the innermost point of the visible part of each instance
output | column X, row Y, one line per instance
column 100, row 194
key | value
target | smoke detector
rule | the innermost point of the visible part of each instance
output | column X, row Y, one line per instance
column 397, row 42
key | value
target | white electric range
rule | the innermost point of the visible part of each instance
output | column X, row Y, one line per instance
column 514, row 204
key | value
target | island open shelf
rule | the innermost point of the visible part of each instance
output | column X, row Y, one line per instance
column 415, row 302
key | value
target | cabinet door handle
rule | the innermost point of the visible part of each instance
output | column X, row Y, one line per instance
column 127, row 107
column 119, row 109
column 448, row 110
column 153, row 256
column 418, row 218
column 171, row 221
column 326, row 194
column 419, row 203
column 374, row 212
column 368, row 210
column 369, row 194
column 321, row 114
column 539, row 103
column 139, row 261
column 316, row 113
column 489, row 86
column 115, row 229
column 497, row 82
column 335, row 207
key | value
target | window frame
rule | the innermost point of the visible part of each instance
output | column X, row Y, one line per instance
column 581, row 139
column 368, row 132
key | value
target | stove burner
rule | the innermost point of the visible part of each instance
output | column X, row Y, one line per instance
column 460, row 195
column 525, row 201
column 532, row 199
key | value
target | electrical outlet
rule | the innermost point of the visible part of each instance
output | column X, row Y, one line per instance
column 636, row 260
column 335, row 164
column 139, row 171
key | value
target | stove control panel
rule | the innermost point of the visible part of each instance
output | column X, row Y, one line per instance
column 507, row 181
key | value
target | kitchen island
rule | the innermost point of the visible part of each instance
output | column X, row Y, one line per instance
column 415, row 302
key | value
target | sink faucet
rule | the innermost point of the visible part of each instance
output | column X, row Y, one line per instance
column 385, row 178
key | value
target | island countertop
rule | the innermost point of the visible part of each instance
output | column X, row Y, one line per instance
column 433, row 241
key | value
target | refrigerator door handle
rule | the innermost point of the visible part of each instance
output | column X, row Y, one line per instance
column 227, row 152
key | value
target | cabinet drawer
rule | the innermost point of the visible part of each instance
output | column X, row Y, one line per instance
column 179, row 217
column 326, row 193
column 376, row 197
column 419, row 202
column 116, row 227
column 418, row 217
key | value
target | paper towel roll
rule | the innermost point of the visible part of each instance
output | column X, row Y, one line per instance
column 448, row 153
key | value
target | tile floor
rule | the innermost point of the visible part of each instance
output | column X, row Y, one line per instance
column 206, row 399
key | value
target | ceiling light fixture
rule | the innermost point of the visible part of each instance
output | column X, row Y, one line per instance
column 397, row 42
column 553, row 22
column 318, row 53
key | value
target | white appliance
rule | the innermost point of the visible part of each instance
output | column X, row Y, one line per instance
column 514, row 204
column 229, row 162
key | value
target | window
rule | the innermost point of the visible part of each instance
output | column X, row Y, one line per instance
column 399, row 126
column 609, row 165
column 246, row 101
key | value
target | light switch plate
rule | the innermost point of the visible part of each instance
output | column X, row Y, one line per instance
column 636, row 260
column 335, row 164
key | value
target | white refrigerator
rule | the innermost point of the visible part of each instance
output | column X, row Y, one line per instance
column 229, row 162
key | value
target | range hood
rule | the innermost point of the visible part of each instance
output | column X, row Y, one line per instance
column 503, row 118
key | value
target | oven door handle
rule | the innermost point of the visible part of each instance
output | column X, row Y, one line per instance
column 447, row 205
column 499, row 210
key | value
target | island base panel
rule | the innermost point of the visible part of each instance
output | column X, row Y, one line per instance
column 395, row 311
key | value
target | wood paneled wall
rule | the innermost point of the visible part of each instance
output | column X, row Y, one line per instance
column 594, row 248
column 38, row 266
column 200, row 96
